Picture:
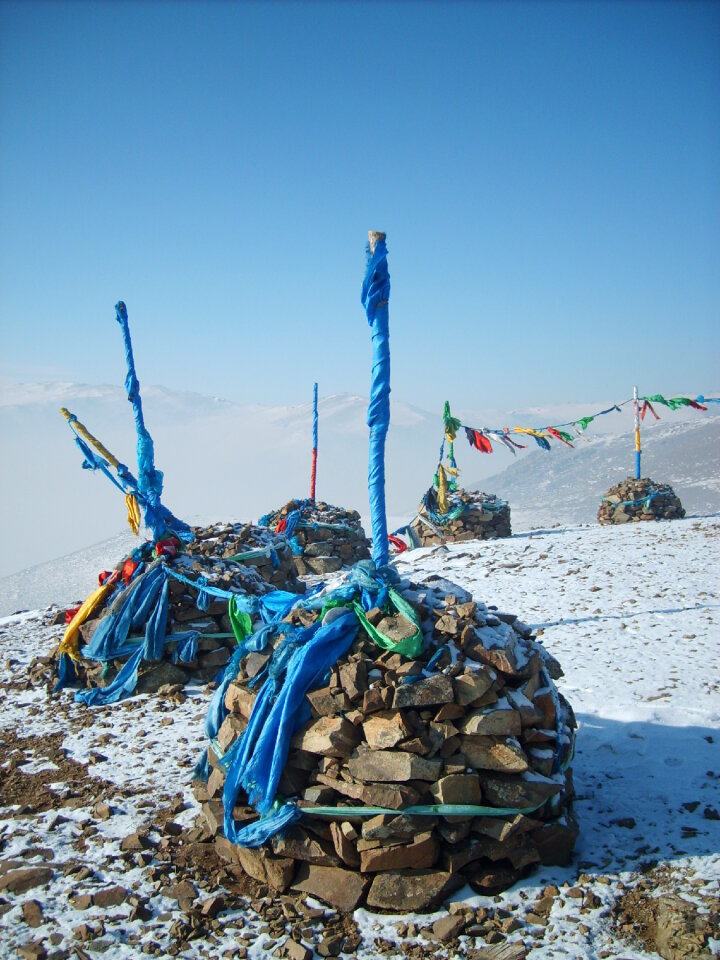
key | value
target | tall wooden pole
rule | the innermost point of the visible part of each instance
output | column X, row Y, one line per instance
column 313, row 471
column 638, row 449
column 375, row 296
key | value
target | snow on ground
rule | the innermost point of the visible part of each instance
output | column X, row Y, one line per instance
column 633, row 615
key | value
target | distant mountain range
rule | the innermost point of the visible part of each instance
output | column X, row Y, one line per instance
column 223, row 460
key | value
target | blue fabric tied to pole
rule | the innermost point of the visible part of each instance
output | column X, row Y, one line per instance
column 375, row 295
column 281, row 708
column 150, row 480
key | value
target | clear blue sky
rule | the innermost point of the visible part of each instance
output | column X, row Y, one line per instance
column 548, row 175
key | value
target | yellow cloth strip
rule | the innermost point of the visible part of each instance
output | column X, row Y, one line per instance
column 133, row 513
column 85, row 433
column 529, row 430
column 637, row 439
column 442, row 491
column 70, row 642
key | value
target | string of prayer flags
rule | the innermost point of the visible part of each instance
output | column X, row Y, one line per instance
column 479, row 438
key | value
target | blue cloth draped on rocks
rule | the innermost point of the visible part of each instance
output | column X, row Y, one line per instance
column 150, row 481
column 256, row 763
column 375, row 296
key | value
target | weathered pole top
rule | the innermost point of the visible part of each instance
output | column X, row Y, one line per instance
column 373, row 237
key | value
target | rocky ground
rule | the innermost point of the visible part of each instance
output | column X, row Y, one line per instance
column 102, row 849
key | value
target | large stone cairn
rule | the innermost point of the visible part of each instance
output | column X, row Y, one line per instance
column 484, row 726
column 663, row 504
column 485, row 517
column 207, row 556
column 330, row 537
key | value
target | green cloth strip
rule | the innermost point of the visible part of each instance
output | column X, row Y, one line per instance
column 249, row 555
column 431, row 810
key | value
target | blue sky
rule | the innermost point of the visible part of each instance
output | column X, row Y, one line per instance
column 548, row 175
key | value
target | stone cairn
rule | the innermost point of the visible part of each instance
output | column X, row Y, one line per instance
column 269, row 554
column 209, row 556
column 482, row 724
column 633, row 500
column 485, row 517
column 329, row 537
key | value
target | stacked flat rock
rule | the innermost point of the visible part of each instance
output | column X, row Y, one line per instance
column 209, row 557
column 485, row 517
column 257, row 547
column 330, row 537
column 484, row 725
column 634, row 500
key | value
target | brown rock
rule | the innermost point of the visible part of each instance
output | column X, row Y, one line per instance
column 110, row 897
column 212, row 906
column 239, row 700
column 353, row 679
column 458, row 788
column 472, row 685
column 323, row 703
column 377, row 698
column 299, row 845
column 342, row 889
column 555, row 841
column 385, row 729
column 492, row 722
column 134, row 843
column 82, row 902
column 392, row 766
column 396, row 627
column 494, row 753
column 344, row 846
column 296, row 951
column 385, row 826
column 277, row 872
column 19, row 881
column 417, row 890
column 33, row 913
column 418, row 855
column 425, row 693
column 159, row 674
column 32, row 950
column 519, row 792
column 328, row 736
column 395, row 796
column 448, row 927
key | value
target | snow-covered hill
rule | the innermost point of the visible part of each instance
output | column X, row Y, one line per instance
column 632, row 613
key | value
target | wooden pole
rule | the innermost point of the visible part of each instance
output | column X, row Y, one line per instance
column 313, row 470
column 373, row 237
column 375, row 296
column 638, row 449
